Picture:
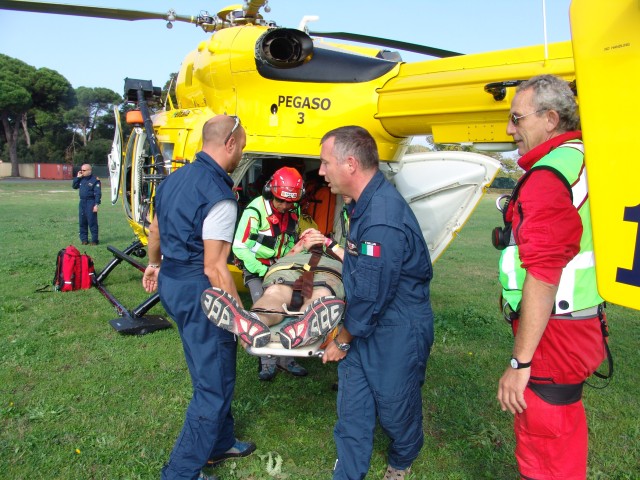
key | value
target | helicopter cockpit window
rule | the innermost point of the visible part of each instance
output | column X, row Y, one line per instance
column 167, row 150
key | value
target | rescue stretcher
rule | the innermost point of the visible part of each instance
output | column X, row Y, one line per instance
column 274, row 347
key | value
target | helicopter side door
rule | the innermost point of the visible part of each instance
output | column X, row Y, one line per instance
column 443, row 189
column 115, row 158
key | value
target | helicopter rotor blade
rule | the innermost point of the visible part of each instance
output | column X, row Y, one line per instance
column 95, row 12
column 386, row 42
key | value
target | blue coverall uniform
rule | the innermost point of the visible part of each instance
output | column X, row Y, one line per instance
column 386, row 275
column 182, row 202
column 90, row 195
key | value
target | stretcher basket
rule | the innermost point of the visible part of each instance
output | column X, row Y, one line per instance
column 275, row 349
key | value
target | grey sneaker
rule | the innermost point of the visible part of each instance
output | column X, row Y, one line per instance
column 266, row 369
column 288, row 364
column 318, row 319
column 395, row 474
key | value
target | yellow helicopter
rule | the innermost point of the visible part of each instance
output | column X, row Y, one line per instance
column 290, row 86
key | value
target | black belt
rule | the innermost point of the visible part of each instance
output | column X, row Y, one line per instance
column 557, row 394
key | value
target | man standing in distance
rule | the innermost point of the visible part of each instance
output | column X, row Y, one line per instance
column 90, row 191
column 189, row 243
column 549, row 289
column 388, row 326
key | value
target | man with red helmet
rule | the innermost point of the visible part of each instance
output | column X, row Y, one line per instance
column 267, row 231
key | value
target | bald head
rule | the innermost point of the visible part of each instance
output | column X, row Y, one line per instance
column 224, row 138
column 216, row 129
column 85, row 170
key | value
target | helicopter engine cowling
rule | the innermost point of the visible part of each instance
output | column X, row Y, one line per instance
column 284, row 48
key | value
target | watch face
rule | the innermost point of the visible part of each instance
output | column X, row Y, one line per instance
column 514, row 363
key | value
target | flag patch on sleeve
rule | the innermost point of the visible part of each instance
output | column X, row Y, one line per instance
column 371, row 249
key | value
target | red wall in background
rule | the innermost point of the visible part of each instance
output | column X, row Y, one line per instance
column 54, row 171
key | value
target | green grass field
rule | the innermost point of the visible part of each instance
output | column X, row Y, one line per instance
column 80, row 401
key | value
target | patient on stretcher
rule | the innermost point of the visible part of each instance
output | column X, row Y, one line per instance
column 306, row 286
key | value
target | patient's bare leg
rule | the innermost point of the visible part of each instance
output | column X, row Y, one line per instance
column 276, row 295
column 272, row 299
column 317, row 293
column 318, row 319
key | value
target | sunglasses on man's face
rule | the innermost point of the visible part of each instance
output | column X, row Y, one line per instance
column 235, row 127
column 515, row 119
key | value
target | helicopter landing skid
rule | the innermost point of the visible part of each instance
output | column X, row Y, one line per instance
column 130, row 322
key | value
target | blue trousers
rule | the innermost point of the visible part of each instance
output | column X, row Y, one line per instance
column 88, row 218
column 381, row 378
column 210, row 353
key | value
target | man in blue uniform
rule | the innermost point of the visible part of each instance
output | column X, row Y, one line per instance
column 188, row 245
column 388, row 326
column 90, row 196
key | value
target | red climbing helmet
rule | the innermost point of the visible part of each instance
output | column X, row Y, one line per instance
column 286, row 184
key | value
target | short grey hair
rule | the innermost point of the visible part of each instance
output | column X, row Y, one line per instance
column 354, row 141
column 553, row 93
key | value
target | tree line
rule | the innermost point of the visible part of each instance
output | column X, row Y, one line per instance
column 44, row 119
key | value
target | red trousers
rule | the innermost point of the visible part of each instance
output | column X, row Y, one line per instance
column 551, row 440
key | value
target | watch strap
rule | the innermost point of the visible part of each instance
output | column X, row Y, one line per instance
column 515, row 363
column 341, row 346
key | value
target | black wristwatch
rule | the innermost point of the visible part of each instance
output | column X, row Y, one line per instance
column 341, row 346
column 515, row 364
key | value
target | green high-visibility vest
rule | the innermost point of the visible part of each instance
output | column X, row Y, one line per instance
column 267, row 241
column 578, row 288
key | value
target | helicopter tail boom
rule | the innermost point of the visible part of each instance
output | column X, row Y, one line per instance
column 448, row 99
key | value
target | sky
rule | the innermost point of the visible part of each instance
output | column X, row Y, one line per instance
column 101, row 53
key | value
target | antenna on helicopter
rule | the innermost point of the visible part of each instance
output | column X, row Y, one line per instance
column 305, row 21
column 544, row 29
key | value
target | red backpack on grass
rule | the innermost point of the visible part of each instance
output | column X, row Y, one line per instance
column 74, row 270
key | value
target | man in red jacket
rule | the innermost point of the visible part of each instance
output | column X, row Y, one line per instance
column 549, row 289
